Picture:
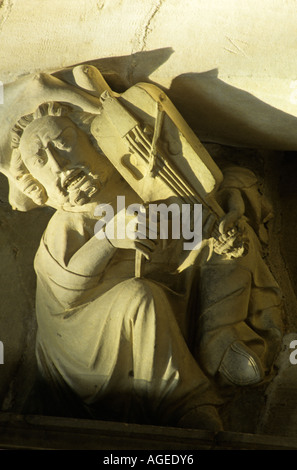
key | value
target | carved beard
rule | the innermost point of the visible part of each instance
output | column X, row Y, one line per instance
column 82, row 184
column 91, row 182
column 84, row 193
column 81, row 187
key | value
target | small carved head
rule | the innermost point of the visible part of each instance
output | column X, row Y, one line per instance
column 53, row 159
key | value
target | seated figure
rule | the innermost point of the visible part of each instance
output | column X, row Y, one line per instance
column 149, row 349
column 108, row 344
column 238, row 304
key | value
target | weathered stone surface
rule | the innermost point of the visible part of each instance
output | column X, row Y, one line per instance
column 279, row 414
column 20, row 237
column 236, row 64
column 233, row 80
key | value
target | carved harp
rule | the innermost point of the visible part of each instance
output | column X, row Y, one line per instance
column 128, row 131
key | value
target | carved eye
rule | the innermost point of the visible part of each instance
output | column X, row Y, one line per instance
column 66, row 139
column 32, row 189
column 40, row 158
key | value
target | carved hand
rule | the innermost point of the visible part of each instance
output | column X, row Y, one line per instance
column 231, row 240
column 234, row 213
column 136, row 234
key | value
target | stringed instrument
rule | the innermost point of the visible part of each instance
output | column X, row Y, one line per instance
column 130, row 130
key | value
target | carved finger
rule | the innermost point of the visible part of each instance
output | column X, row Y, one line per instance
column 144, row 249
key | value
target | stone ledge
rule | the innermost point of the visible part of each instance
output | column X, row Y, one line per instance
column 30, row 432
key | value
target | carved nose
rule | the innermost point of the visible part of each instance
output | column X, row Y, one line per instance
column 57, row 161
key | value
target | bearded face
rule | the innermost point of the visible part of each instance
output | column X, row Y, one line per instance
column 61, row 158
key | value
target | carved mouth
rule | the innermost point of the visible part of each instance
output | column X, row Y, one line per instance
column 74, row 180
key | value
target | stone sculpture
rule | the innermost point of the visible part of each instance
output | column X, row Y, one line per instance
column 150, row 338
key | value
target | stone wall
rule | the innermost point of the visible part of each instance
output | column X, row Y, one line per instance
column 227, row 67
column 19, row 239
column 231, row 74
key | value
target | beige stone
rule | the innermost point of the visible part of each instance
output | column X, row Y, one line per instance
column 106, row 328
column 230, row 72
column 239, row 74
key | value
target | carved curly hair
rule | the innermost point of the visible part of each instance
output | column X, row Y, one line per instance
column 23, row 179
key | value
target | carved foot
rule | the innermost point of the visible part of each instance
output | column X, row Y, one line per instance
column 240, row 366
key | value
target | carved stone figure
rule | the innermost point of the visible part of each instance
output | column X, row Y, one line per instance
column 146, row 339
column 239, row 326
